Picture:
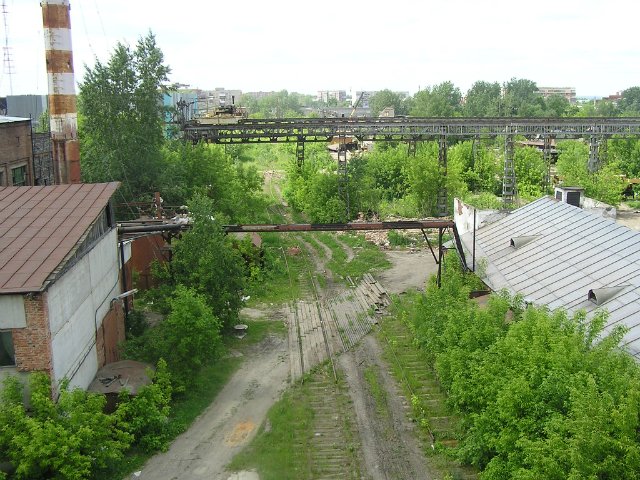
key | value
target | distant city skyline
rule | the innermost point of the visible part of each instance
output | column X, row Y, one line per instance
column 296, row 46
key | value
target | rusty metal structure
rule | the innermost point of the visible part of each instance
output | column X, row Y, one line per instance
column 137, row 228
column 56, row 21
column 412, row 130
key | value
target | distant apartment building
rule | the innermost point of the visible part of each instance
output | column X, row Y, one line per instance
column 222, row 97
column 337, row 95
column 567, row 92
column 616, row 97
column 258, row 95
column 366, row 95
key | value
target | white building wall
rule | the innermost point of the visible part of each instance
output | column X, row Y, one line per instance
column 77, row 304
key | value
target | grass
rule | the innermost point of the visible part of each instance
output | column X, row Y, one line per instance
column 280, row 452
column 371, row 375
column 368, row 257
column 399, row 349
column 281, row 281
column 190, row 404
column 283, row 448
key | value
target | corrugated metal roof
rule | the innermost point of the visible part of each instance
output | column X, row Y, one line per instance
column 575, row 251
column 40, row 226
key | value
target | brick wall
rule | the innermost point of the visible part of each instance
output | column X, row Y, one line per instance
column 32, row 344
column 15, row 149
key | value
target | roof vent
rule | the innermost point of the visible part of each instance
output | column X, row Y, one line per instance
column 570, row 195
column 602, row 295
column 517, row 242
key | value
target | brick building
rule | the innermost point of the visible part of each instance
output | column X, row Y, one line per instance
column 16, row 152
column 59, row 281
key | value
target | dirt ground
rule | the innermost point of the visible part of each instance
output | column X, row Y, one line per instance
column 410, row 269
column 390, row 448
column 230, row 422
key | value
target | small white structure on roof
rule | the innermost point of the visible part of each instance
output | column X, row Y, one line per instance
column 562, row 256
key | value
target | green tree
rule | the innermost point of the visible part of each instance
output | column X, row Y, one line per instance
column 122, row 118
column 205, row 260
column 531, row 171
column 599, row 108
column 630, row 102
column 521, row 99
column 483, row 100
column 442, row 100
column 146, row 415
column 559, row 106
column 386, row 98
column 425, row 177
column 209, row 170
column 605, row 185
column 66, row 440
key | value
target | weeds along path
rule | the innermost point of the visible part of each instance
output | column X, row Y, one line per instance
column 425, row 401
column 389, row 443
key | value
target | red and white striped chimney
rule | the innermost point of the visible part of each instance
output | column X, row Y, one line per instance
column 63, row 113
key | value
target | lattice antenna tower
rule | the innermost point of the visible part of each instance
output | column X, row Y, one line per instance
column 7, row 61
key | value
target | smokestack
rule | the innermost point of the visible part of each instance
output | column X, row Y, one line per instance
column 63, row 114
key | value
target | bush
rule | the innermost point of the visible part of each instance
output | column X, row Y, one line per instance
column 69, row 439
column 146, row 415
column 188, row 338
column 542, row 394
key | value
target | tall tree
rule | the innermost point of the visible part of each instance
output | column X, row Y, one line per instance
column 442, row 100
column 521, row 99
column 630, row 102
column 483, row 100
column 386, row 98
column 122, row 117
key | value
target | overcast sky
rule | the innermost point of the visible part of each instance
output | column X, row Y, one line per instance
column 306, row 46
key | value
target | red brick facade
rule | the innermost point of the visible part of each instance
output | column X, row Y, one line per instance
column 32, row 344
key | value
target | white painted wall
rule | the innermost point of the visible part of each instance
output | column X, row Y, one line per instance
column 77, row 304
column 13, row 313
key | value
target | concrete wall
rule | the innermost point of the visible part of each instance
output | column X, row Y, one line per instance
column 463, row 216
column 77, row 304
column 13, row 312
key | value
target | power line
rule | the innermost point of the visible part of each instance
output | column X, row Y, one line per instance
column 7, row 62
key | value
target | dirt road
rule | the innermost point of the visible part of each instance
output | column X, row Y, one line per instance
column 230, row 422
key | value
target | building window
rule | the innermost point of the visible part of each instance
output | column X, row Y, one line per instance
column 19, row 176
column 2, row 178
column 7, row 353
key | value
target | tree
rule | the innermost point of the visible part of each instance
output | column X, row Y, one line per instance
column 425, row 177
column 386, row 98
column 483, row 100
column 68, row 439
column 122, row 118
column 558, row 106
column 531, row 171
column 209, row 170
column 205, row 260
column 521, row 99
column 442, row 100
column 630, row 102
column 605, row 185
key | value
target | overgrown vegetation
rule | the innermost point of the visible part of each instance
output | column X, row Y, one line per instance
column 73, row 437
column 542, row 394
